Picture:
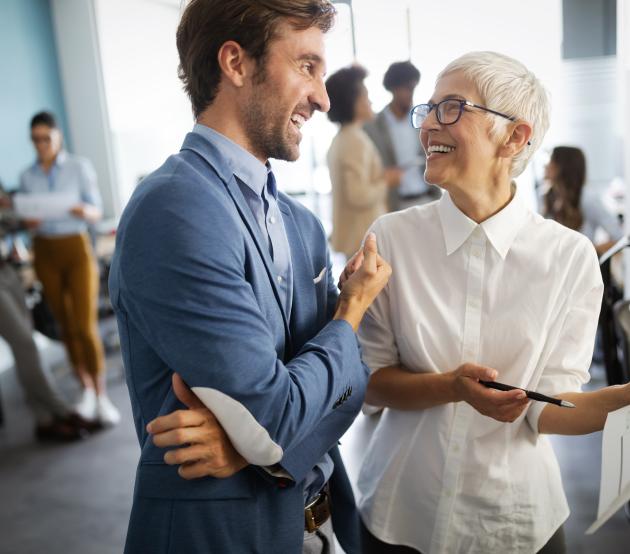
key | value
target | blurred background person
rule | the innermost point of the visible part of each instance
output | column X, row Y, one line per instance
column 359, row 183
column 65, row 263
column 568, row 200
column 54, row 419
column 397, row 141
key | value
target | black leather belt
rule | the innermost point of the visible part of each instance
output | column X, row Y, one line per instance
column 317, row 512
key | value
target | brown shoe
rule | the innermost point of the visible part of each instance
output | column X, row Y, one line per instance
column 60, row 430
column 78, row 421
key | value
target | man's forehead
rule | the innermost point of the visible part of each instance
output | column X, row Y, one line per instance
column 301, row 42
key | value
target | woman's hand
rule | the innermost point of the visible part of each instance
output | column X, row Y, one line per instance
column 505, row 406
column 32, row 224
column 87, row 212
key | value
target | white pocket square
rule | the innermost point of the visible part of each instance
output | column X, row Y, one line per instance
column 320, row 276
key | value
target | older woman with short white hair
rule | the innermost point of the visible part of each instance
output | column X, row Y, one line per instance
column 483, row 289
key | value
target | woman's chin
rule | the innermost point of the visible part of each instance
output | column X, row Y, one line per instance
column 434, row 178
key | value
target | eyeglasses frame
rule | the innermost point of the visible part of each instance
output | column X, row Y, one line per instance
column 462, row 103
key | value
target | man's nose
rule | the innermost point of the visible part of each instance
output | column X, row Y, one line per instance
column 319, row 97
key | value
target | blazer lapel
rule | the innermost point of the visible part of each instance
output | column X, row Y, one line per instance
column 304, row 303
column 208, row 152
column 261, row 245
column 382, row 123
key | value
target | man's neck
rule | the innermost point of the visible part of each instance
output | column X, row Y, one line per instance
column 224, row 120
column 397, row 111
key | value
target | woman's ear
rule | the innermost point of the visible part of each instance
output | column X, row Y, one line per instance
column 517, row 139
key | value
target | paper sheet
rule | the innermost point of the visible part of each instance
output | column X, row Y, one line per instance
column 614, row 489
column 45, row 205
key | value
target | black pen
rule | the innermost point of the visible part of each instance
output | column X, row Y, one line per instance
column 530, row 394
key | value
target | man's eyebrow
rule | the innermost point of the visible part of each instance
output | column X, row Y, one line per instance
column 311, row 58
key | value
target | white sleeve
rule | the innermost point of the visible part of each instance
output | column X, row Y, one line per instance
column 378, row 343
column 567, row 367
column 250, row 439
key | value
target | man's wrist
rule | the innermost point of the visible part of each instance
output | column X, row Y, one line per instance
column 351, row 310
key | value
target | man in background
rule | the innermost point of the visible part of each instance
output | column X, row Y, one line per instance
column 398, row 142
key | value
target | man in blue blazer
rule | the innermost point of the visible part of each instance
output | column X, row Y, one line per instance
column 221, row 278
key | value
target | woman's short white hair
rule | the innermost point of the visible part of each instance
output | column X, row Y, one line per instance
column 507, row 86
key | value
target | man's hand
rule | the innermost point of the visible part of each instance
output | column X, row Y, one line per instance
column 505, row 406
column 205, row 448
column 393, row 176
column 352, row 265
column 361, row 288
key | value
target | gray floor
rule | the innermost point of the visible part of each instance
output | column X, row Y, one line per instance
column 76, row 498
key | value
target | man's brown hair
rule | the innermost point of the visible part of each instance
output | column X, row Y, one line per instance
column 207, row 24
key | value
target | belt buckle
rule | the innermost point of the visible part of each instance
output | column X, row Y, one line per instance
column 310, row 522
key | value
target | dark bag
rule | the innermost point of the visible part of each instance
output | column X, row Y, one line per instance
column 43, row 319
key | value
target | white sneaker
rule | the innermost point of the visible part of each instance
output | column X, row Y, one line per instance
column 86, row 406
column 106, row 412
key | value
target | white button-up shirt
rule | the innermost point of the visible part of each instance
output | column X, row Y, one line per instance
column 518, row 293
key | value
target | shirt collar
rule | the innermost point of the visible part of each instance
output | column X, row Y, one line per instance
column 60, row 159
column 246, row 167
column 392, row 119
column 500, row 229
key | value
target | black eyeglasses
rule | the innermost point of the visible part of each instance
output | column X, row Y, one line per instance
column 447, row 112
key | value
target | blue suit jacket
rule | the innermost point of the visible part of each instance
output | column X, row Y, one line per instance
column 193, row 287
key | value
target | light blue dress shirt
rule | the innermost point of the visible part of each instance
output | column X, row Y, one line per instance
column 258, row 186
column 69, row 175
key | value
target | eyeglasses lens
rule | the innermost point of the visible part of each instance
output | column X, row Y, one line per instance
column 448, row 111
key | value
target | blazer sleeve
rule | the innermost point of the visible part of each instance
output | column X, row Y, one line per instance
column 182, row 280
column 301, row 458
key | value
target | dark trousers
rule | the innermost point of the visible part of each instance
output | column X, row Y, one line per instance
column 372, row 545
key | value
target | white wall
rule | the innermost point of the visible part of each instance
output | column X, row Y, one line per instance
column 74, row 24
column 149, row 112
column 623, row 59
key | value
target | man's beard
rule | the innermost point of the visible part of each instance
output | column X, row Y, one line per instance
column 266, row 128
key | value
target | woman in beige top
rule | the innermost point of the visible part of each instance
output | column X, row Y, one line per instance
column 359, row 182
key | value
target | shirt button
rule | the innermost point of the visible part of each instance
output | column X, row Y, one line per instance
column 476, row 252
column 272, row 219
column 448, row 493
column 280, row 279
column 456, row 448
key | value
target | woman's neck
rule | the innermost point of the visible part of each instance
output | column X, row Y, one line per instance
column 481, row 203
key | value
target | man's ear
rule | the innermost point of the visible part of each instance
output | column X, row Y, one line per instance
column 235, row 64
column 517, row 139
